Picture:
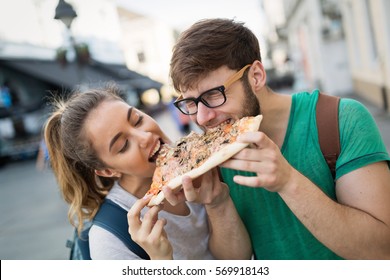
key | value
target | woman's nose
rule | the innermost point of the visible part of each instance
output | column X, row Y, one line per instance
column 144, row 138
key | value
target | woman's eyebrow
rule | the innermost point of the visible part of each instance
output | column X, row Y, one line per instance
column 115, row 138
column 129, row 113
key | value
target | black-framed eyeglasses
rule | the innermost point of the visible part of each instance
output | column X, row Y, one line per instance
column 211, row 98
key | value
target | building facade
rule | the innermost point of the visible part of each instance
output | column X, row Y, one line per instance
column 317, row 46
column 340, row 47
column 367, row 29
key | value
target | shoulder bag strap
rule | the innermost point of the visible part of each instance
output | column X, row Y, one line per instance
column 328, row 128
column 113, row 218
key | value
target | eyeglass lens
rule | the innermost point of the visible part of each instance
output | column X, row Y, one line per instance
column 212, row 98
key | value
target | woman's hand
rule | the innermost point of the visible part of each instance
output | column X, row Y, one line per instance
column 148, row 231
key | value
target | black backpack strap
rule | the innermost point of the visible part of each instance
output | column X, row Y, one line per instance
column 113, row 218
column 327, row 115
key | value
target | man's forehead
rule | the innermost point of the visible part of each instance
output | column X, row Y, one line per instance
column 205, row 82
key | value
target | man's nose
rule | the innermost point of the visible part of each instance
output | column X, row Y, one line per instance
column 204, row 114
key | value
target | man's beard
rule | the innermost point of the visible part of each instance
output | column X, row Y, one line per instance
column 250, row 105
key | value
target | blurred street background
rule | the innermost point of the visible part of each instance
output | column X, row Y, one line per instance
column 51, row 47
column 33, row 220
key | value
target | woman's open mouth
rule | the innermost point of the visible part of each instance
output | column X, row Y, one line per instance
column 154, row 153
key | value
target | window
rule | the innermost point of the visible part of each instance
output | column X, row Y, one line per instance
column 141, row 57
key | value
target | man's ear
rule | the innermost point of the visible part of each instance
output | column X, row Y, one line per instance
column 258, row 74
column 107, row 173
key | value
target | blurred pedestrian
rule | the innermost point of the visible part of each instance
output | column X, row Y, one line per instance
column 42, row 160
column 182, row 121
column 5, row 97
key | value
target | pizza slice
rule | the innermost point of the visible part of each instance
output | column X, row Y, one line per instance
column 195, row 154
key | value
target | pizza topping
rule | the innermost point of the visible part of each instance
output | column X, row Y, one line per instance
column 191, row 151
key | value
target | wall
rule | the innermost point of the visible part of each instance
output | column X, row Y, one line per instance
column 367, row 29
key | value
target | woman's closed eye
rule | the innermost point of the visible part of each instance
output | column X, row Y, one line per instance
column 139, row 121
column 136, row 122
column 124, row 148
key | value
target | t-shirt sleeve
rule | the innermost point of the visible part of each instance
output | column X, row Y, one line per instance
column 360, row 138
column 104, row 245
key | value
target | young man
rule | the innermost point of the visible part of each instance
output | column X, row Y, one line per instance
column 281, row 185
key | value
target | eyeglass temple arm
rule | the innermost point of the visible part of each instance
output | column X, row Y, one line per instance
column 236, row 76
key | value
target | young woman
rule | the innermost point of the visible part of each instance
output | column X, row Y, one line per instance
column 100, row 147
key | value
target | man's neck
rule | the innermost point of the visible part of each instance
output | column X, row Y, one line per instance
column 276, row 109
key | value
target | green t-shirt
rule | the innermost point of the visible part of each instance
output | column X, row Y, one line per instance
column 275, row 231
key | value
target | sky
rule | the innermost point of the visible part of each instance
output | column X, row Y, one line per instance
column 182, row 13
column 22, row 25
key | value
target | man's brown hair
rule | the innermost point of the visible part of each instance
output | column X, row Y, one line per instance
column 208, row 45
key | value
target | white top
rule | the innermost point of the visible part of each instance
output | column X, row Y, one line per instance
column 188, row 235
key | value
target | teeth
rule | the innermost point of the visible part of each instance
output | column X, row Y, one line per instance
column 156, row 148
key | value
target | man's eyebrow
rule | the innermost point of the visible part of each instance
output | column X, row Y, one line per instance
column 115, row 138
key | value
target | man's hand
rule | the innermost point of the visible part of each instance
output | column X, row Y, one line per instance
column 264, row 158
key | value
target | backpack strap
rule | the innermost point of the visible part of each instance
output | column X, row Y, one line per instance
column 113, row 218
column 328, row 129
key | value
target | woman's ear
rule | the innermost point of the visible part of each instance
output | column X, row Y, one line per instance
column 107, row 173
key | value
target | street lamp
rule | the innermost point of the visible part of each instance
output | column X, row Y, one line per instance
column 65, row 13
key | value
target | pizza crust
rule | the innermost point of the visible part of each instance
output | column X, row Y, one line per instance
column 214, row 160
